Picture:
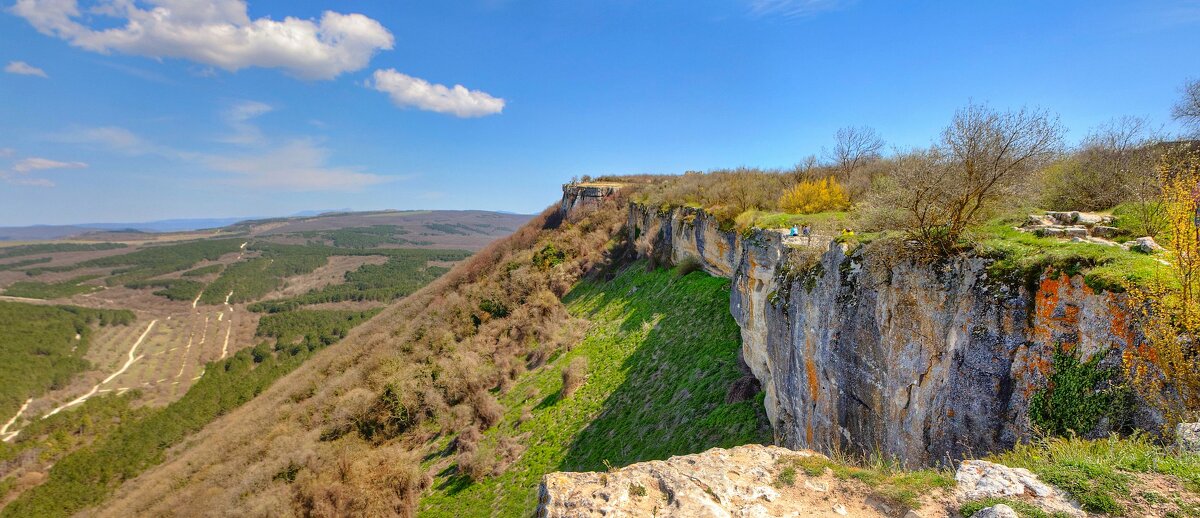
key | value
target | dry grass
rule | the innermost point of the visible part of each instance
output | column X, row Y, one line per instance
column 436, row 352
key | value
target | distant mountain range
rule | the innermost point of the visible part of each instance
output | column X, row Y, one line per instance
column 42, row 232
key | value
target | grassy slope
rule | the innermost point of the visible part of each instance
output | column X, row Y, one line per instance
column 662, row 352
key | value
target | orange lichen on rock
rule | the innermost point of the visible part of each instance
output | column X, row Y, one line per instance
column 1120, row 326
column 813, row 384
column 1056, row 320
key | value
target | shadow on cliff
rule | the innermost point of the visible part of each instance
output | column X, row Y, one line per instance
column 670, row 397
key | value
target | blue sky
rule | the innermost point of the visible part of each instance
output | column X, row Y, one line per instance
column 133, row 110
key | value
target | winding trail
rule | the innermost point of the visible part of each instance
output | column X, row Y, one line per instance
column 122, row 370
column 4, row 435
column 225, row 348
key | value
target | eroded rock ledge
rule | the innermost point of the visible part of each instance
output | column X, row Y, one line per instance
column 862, row 351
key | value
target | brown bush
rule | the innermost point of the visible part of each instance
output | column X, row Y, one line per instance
column 476, row 465
column 574, row 375
column 487, row 409
column 467, row 440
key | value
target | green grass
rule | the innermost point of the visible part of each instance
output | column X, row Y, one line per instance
column 1023, row 509
column 51, row 290
column 1130, row 220
column 660, row 360
column 1099, row 473
column 820, row 220
column 1021, row 257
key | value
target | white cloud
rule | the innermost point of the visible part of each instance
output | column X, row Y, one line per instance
column 40, row 164
column 239, row 116
column 794, row 8
column 6, row 152
column 219, row 33
column 300, row 165
column 421, row 94
column 24, row 69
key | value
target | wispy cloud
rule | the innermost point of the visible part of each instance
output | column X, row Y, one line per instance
column 794, row 8
column 24, row 69
column 6, row 152
column 408, row 91
column 218, row 33
column 299, row 165
column 21, row 172
column 40, row 164
column 113, row 138
column 239, row 117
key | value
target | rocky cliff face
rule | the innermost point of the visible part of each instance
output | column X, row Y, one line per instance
column 861, row 351
column 586, row 195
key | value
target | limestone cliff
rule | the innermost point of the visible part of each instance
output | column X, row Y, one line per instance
column 862, row 351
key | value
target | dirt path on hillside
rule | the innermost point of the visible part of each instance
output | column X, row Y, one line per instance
column 112, row 376
column 4, row 435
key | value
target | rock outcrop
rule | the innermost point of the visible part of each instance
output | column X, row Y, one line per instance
column 859, row 350
column 586, row 194
column 749, row 481
column 719, row 483
column 1187, row 437
column 981, row 480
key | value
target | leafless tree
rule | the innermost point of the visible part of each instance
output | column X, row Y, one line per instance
column 984, row 157
column 805, row 169
column 1187, row 109
column 855, row 147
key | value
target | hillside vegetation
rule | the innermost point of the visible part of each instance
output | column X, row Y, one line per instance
column 347, row 430
column 86, row 476
column 661, row 355
column 42, row 347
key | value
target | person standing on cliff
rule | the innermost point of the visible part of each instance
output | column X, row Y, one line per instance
column 808, row 233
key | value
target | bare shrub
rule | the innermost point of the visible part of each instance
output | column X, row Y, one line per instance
column 1113, row 165
column 1187, row 109
column 468, row 440
column 476, row 465
column 853, row 148
column 487, row 409
column 984, row 158
column 574, row 375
